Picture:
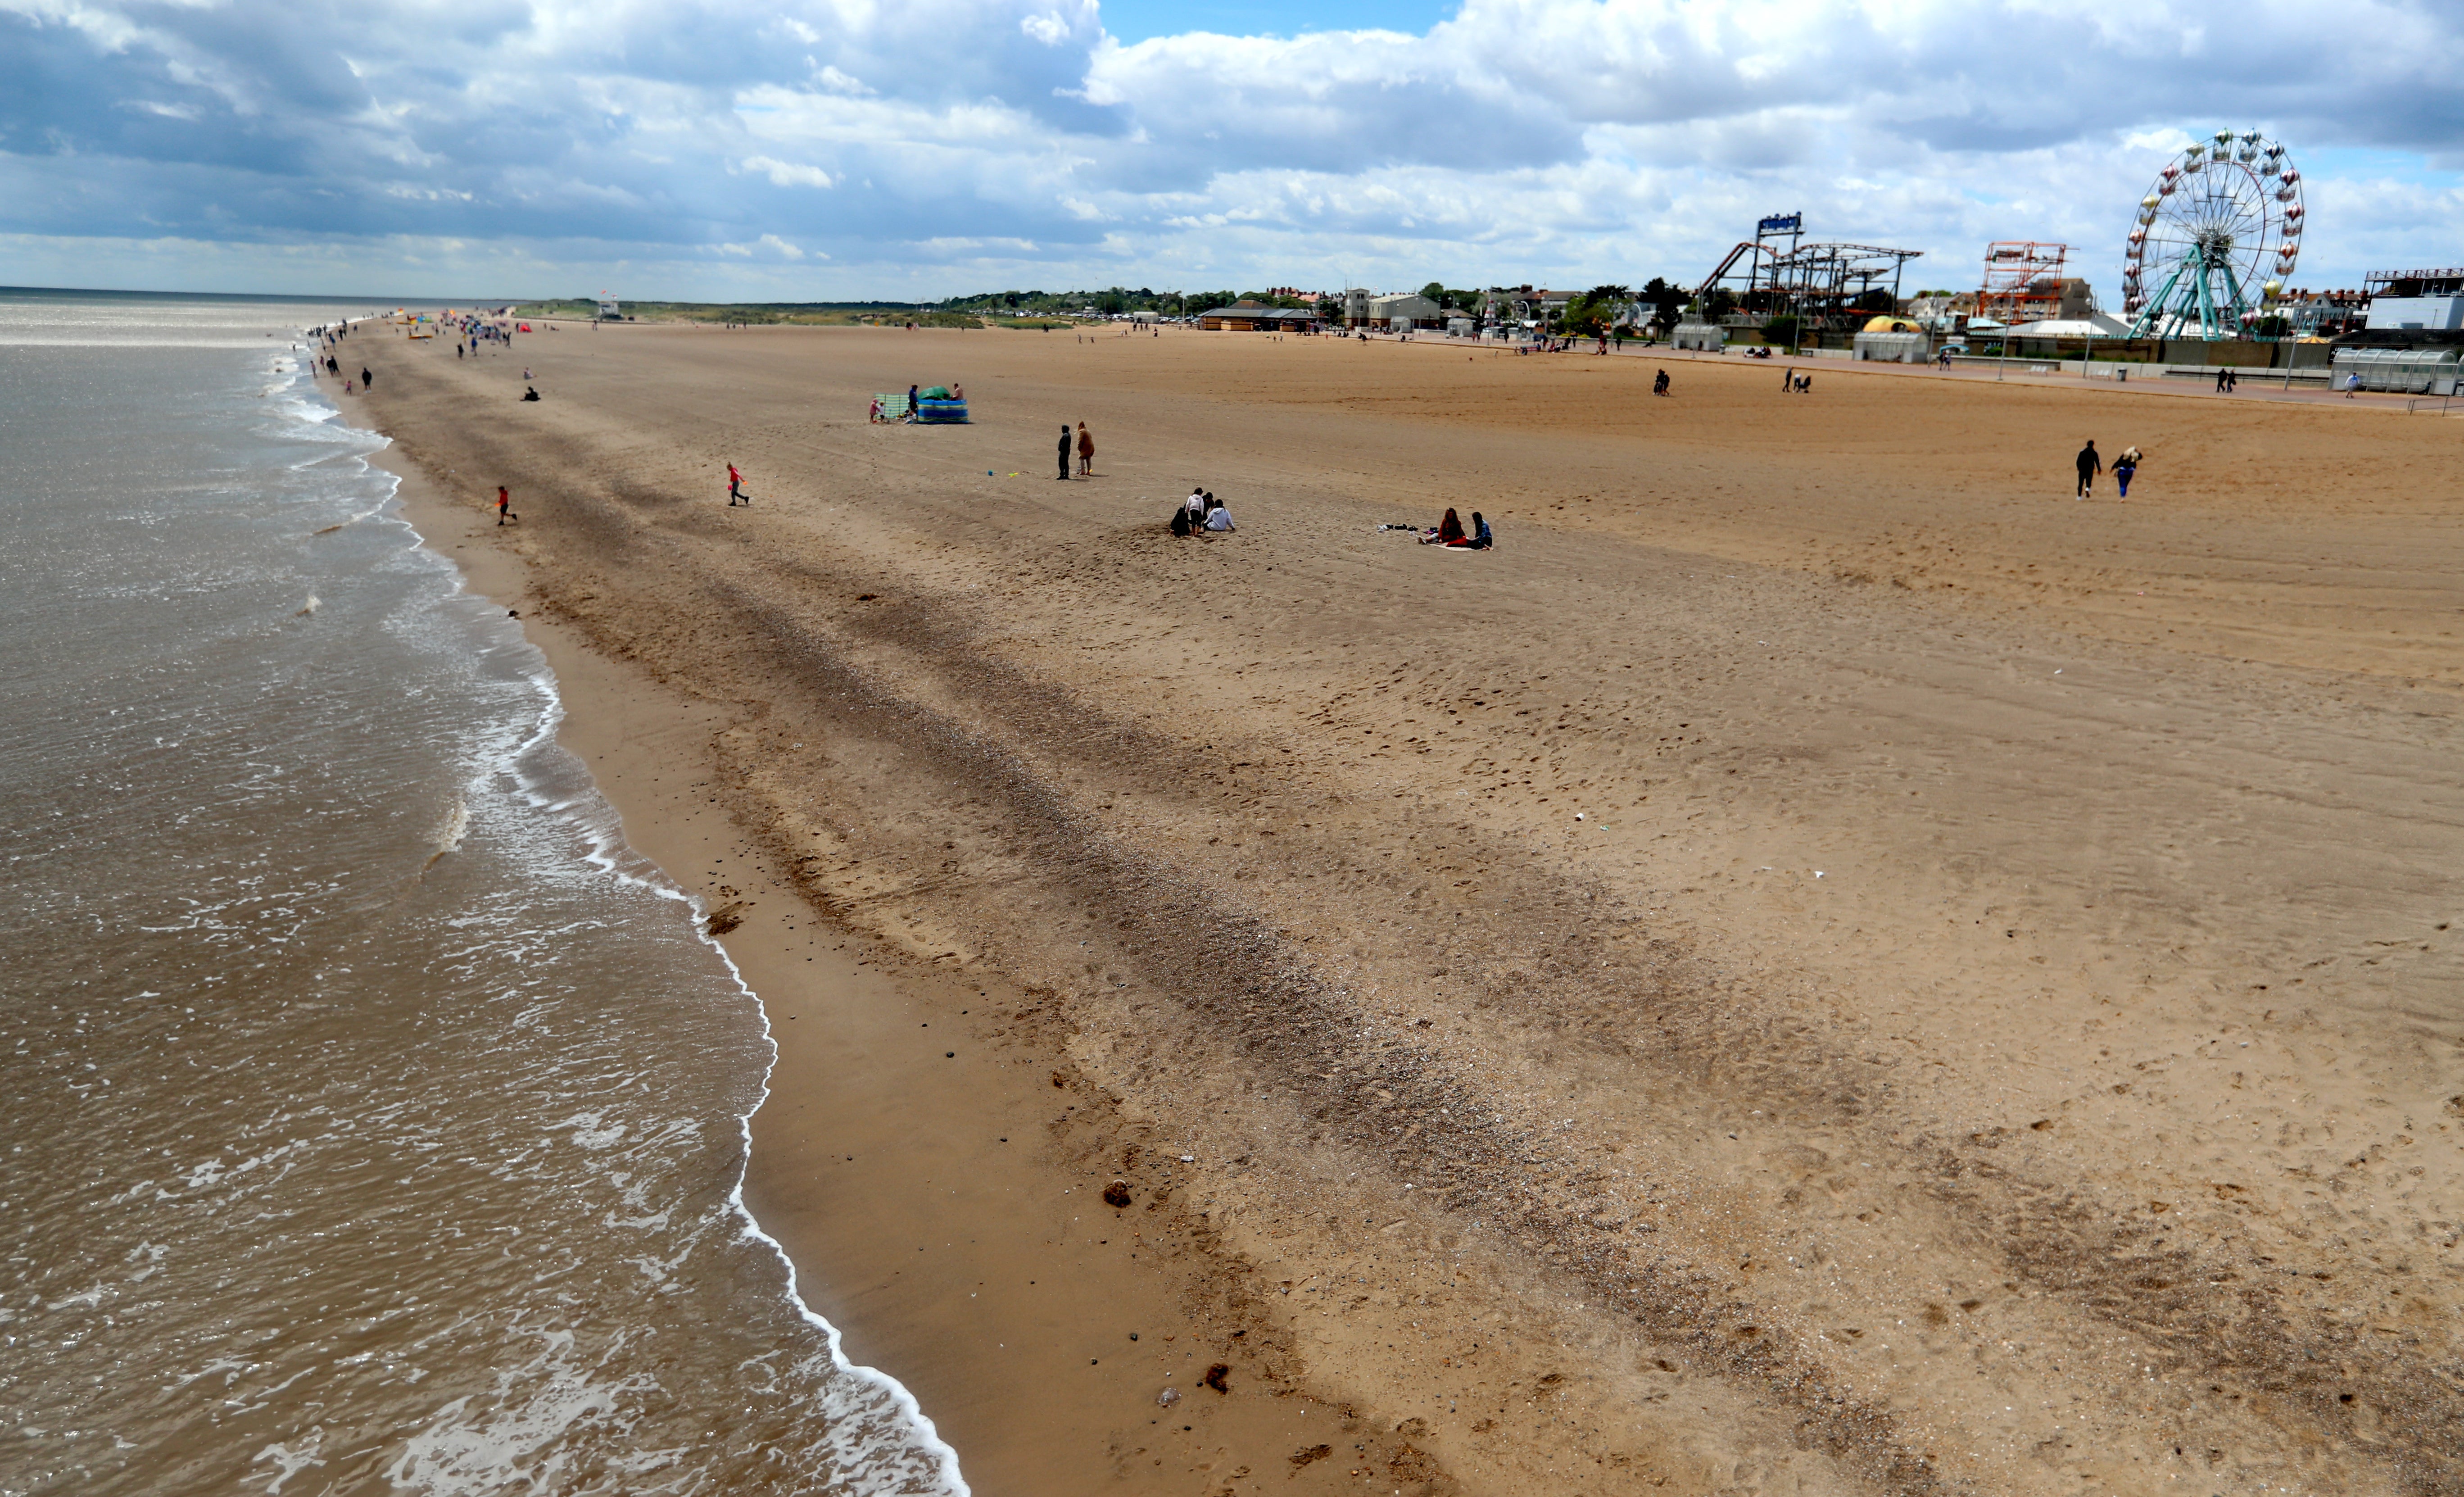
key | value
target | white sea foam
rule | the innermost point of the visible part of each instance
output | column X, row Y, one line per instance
column 547, row 776
column 324, row 1085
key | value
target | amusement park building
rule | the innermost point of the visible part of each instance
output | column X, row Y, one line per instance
column 2417, row 300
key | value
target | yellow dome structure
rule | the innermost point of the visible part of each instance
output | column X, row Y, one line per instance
column 1891, row 325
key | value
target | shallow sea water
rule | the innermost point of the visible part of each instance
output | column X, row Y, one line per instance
column 374, row 1117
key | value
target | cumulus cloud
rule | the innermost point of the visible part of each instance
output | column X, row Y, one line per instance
column 847, row 148
column 788, row 173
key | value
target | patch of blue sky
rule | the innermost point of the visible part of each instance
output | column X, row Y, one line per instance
column 1140, row 20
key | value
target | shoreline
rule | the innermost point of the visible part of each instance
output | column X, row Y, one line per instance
column 844, row 1232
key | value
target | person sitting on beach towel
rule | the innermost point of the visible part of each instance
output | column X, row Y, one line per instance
column 1480, row 539
column 1449, row 532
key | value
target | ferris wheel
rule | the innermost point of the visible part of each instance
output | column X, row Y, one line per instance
column 2218, row 232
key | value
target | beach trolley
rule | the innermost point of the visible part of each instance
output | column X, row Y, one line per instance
column 2409, row 371
column 938, row 406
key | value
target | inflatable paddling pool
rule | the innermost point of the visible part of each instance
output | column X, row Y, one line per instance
column 934, row 407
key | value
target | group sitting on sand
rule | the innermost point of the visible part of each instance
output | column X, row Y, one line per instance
column 1201, row 511
column 1449, row 532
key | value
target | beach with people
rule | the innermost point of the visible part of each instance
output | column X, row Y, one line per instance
column 1824, row 961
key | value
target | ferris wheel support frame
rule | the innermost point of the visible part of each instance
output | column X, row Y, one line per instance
column 2213, row 324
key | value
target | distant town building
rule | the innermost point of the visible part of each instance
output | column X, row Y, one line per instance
column 1940, row 314
column 1404, row 311
column 2322, row 314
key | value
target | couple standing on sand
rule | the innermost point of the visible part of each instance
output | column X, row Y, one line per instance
column 1085, row 451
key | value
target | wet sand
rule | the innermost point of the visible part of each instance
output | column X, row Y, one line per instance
column 1992, row 1027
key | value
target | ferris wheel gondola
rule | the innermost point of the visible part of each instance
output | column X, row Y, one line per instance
column 2214, row 238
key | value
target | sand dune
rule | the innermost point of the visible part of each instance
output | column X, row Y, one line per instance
column 1821, row 965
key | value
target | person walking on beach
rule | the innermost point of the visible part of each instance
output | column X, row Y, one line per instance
column 911, row 406
column 2089, row 466
column 1085, row 451
column 504, row 505
column 1660, row 383
column 1065, row 452
column 736, row 487
column 367, row 381
column 2124, row 467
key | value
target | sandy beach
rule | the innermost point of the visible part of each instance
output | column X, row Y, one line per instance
column 1821, row 965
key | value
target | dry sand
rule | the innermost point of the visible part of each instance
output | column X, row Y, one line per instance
column 1992, row 1025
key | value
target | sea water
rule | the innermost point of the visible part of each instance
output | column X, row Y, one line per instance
column 374, row 1118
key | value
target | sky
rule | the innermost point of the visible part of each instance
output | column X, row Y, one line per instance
column 802, row 150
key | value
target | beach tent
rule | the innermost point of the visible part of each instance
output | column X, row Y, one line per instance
column 2097, row 325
